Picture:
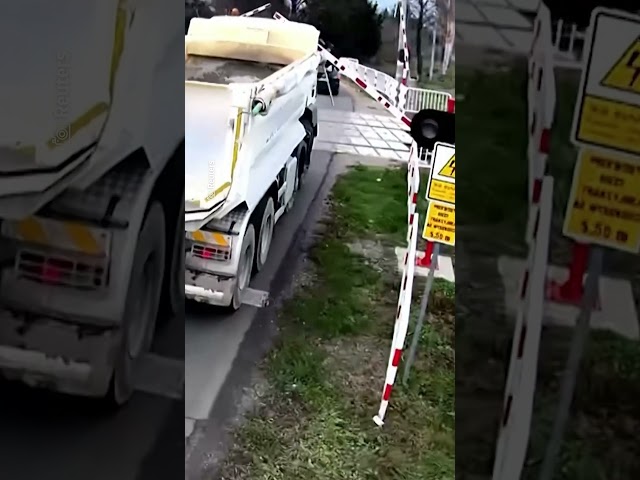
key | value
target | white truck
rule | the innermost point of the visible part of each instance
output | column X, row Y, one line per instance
column 91, row 191
column 250, row 125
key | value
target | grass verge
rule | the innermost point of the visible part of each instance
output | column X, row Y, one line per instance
column 327, row 372
column 439, row 81
column 492, row 212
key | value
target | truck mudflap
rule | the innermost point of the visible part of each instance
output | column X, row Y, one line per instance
column 218, row 291
column 212, row 289
column 47, row 353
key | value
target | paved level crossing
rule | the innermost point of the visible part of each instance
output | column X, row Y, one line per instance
column 368, row 134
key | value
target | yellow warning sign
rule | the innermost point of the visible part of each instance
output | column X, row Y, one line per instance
column 449, row 169
column 625, row 73
column 440, row 225
column 441, row 191
column 604, row 205
column 609, row 124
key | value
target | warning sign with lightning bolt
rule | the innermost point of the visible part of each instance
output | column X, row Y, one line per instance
column 442, row 177
column 449, row 170
column 625, row 73
column 608, row 102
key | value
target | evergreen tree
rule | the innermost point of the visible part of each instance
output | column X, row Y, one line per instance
column 351, row 26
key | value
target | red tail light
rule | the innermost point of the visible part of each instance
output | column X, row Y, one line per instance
column 50, row 274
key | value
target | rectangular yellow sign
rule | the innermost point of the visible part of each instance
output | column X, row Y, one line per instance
column 609, row 124
column 604, row 205
column 440, row 225
column 441, row 191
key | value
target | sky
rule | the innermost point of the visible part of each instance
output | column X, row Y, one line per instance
column 386, row 3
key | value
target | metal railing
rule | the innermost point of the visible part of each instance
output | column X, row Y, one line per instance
column 411, row 99
column 568, row 43
column 419, row 98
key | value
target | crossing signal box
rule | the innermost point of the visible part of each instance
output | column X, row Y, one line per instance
column 430, row 126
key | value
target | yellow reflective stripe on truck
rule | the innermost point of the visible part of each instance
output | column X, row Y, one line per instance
column 118, row 42
column 61, row 235
column 210, row 238
column 78, row 124
column 31, row 230
column 236, row 142
column 102, row 107
column 83, row 238
column 234, row 157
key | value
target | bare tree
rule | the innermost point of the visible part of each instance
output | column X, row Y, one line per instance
column 422, row 7
column 449, row 13
column 439, row 15
column 425, row 14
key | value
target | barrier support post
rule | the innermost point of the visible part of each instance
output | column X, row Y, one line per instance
column 423, row 314
column 571, row 291
column 429, row 257
column 574, row 359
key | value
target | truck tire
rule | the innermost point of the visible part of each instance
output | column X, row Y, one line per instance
column 245, row 264
column 296, row 186
column 305, row 157
column 265, row 233
column 309, row 137
column 141, row 307
column 172, row 303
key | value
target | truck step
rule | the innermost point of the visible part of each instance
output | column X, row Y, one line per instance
column 255, row 298
column 161, row 376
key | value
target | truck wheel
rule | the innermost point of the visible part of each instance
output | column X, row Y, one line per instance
column 173, row 299
column 141, row 307
column 247, row 252
column 296, row 187
column 265, row 234
column 304, row 152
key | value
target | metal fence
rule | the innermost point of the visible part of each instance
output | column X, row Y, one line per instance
column 568, row 43
column 407, row 99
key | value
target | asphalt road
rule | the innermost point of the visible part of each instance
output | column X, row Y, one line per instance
column 48, row 436
column 345, row 100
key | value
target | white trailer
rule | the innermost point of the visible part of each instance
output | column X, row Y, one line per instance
column 250, row 124
column 91, row 194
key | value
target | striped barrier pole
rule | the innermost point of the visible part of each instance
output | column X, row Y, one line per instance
column 401, row 323
column 255, row 11
column 515, row 424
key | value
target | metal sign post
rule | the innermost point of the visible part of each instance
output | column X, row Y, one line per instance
column 423, row 313
column 573, row 363
column 607, row 104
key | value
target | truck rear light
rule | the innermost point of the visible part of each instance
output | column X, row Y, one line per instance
column 211, row 252
column 210, row 245
column 60, row 270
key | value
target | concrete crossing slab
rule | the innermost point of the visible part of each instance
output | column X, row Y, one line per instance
column 367, row 134
column 503, row 25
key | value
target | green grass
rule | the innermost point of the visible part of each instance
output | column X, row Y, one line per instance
column 439, row 81
column 327, row 372
column 492, row 117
